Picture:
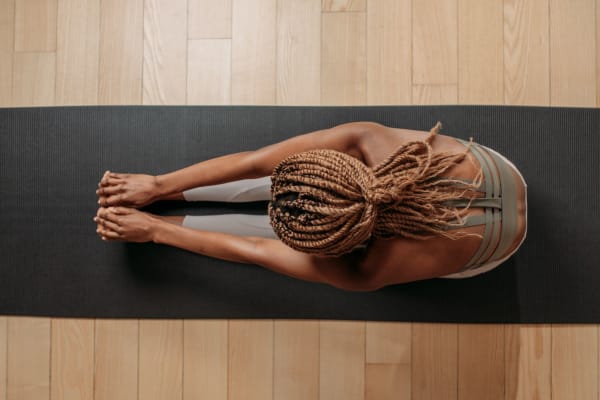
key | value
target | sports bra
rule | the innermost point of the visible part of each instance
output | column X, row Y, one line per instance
column 500, row 203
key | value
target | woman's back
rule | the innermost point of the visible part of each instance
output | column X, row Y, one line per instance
column 399, row 259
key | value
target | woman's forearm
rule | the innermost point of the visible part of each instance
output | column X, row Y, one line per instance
column 210, row 172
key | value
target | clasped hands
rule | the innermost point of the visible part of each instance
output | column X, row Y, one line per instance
column 117, row 218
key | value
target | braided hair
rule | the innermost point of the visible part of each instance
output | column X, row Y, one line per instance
column 327, row 202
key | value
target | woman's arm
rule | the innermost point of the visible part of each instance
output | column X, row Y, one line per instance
column 342, row 272
column 261, row 162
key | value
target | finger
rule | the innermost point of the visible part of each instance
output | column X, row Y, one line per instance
column 110, row 181
column 120, row 210
column 110, row 190
column 110, row 224
column 111, row 200
column 108, row 233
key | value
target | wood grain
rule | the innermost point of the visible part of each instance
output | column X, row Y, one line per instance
column 209, row 71
column 481, row 361
column 35, row 25
column 253, row 52
column 526, row 52
column 387, row 382
column 116, row 359
column 435, row 94
column 209, row 19
column 28, row 356
column 33, row 79
column 120, row 68
column 298, row 52
column 296, row 362
column 165, row 52
column 389, row 52
column 598, row 64
column 572, row 50
column 343, row 59
column 528, row 362
column 434, row 361
column 435, row 42
column 342, row 364
column 205, row 359
column 344, row 5
column 574, row 362
column 161, row 359
column 480, row 48
column 3, row 355
column 388, row 342
column 77, row 51
column 72, row 355
column 7, row 31
column 250, row 359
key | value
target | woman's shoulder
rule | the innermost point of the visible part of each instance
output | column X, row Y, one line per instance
column 376, row 141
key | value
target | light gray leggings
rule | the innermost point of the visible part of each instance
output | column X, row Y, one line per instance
column 234, row 192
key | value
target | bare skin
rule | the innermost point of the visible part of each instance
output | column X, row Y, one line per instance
column 386, row 261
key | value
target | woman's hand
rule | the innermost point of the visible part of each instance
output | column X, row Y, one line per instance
column 125, row 224
column 131, row 190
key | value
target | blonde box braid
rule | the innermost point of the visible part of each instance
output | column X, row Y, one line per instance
column 327, row 202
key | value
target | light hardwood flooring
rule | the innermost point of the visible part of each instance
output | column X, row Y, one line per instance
column 79, row 52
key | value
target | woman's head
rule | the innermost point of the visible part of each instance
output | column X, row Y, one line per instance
column 327, row 202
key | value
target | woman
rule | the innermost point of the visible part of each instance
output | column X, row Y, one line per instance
column 358, row 206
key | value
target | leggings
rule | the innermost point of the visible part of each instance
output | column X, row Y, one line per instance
column 235, row 192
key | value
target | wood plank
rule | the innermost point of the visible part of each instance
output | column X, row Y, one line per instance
column 209, row 19
column 120, row 67
column 481, row 361
column 3, row 355
column 72, row 368
column 598, row 64
column 250, row 360
column 574, row 362
column 205, row 359
column 209, row 71
column 296, row 365
column 526, row 53
column 28, row 358
column 344, row 5
column 528, row 362
column 161, row 359
column 343, row 59
column 572, row 50
column 253, row 52
column 35, row 25
column 387, row 382
column 480, row 46
column 299, row 52
column 389, row 52
column 435, row 94
column 33, row 79
column 388, row 342
column 165, row 52
column 435, row 42
column 434, row 361
column 342, row 364
column 116, row 359
column 7, row 29
column 77, row 52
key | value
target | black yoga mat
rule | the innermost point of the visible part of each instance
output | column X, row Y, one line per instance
column 54, row 264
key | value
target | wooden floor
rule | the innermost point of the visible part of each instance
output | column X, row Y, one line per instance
column 65, row 52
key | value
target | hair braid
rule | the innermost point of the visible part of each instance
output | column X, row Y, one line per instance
column 328, row 202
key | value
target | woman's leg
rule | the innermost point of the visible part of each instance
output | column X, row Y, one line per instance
column 243, row 190
column 235, row 224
